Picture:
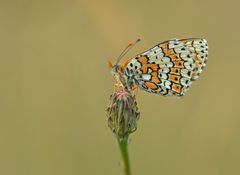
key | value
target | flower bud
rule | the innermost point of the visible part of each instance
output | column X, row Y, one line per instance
column 122, row 113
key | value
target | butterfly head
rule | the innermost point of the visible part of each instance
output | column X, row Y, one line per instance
column 118, row 70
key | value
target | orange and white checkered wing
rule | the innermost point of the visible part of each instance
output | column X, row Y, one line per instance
column 168, row 68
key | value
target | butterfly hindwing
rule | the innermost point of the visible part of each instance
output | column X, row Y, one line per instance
column 199, row 50
column 168, row 68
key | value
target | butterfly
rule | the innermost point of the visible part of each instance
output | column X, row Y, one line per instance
column 167, row 69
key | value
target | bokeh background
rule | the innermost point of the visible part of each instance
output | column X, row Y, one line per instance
column 55, row 87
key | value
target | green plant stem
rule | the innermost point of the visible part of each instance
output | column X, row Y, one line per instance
column 123, row 146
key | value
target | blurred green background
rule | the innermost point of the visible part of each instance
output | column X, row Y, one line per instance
column 55, row 87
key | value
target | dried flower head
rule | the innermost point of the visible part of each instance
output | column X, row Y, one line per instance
column 122, row 113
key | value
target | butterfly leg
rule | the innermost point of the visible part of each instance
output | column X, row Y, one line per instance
column 134, row 91
column 118, row 86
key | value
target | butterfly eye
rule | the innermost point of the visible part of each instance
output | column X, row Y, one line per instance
column 117, row 68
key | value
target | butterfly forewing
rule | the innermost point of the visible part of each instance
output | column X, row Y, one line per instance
column 169, row 67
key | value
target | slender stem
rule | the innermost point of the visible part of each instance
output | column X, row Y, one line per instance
column 123, row 146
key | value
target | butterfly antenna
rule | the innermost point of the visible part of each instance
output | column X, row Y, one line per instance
column 125, row 51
